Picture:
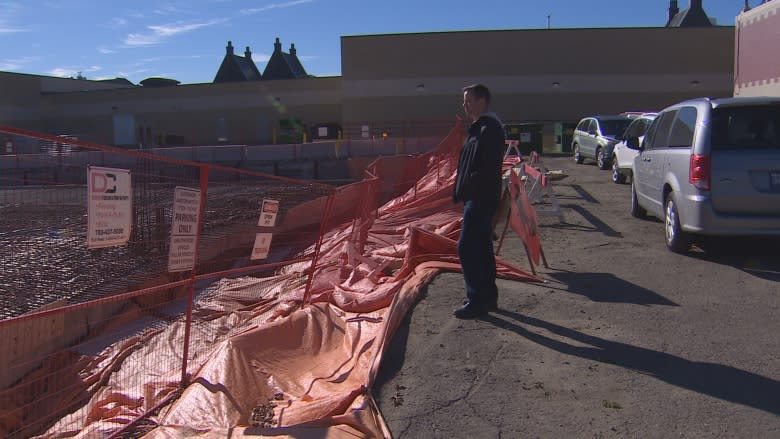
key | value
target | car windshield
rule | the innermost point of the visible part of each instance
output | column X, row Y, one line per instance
column 749, row 127
column 613, row 127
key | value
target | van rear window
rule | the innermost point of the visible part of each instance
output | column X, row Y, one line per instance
column 749, row 127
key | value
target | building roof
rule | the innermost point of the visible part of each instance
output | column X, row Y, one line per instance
column 284, row 65
column 118, row 81
column 159, row 82
column 694, row 16
column 236, row 68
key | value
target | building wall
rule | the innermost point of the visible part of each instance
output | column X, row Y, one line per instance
column 757, row 64
column 244, row 112
column 20, row 100
column 536, row 75
column 549, row 76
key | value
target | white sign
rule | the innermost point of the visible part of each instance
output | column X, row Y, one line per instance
column 184, row 229
column 181, row 256
column 364, row 131
column 262, row 246
column 109, row 207
column 322, row 131
column 525, row 137
column 268, row 213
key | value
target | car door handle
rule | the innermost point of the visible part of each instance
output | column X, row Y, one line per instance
column 647, row 159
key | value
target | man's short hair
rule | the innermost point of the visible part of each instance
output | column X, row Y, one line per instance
column 479, row 91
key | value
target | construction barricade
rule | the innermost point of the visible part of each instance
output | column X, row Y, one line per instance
column 213, row 298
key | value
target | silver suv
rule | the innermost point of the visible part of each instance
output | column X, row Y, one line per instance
column 711, row 167
column 594, row 138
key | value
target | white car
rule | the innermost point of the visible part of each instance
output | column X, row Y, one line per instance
column 628, row 147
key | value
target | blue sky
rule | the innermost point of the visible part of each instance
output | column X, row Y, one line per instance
column 185, row 40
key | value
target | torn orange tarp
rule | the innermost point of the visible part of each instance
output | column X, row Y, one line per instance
column 314, row 365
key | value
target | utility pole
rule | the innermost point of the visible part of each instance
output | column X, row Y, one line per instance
column 548, row 21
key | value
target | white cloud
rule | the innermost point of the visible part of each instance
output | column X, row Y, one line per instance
column 105, row 50
column 10, row 30
column 137, row 40
column 129, row 73
column 275, row 6
column 69, row 72
column 9, row 65
column 8, row 11
column 166, row 10
column 168, row 30
column 307, row 58
column 116, row 23
column 17, row 63
column 161, row 32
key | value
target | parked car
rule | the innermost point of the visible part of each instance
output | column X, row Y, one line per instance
column 594, row 138
column 623, row 156
column 711, row 167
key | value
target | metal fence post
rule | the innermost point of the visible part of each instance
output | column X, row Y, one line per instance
column 204, row 185
column 323, row 225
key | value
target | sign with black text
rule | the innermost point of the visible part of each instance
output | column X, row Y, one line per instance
column 262, row 246
column 268, row 212
column 109, row 207
column 184, row 229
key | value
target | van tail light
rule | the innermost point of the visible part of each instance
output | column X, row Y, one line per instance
column 700, row 172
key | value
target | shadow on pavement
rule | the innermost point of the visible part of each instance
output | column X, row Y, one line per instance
column 395, row 353
column 606, row 287
column 583, row 193
column 759, row 257
column 598, row 224
column 716, row 380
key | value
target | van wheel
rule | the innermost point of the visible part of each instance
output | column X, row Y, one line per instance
column 676, row 240
column 601, row 161
column 636, row 210
column 577, row 156
column 617, row 175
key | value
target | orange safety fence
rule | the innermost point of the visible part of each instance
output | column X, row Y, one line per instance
column 68, row 311
column 232, row 346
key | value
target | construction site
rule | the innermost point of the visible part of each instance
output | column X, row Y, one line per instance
column 191, row 261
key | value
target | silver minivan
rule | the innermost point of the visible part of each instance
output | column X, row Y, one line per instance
column 711, row 167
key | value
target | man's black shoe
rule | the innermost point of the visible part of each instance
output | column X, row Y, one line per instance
column 492, row 304
column 470, row 311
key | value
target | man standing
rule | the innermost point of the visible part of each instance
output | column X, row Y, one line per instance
column 478, row 185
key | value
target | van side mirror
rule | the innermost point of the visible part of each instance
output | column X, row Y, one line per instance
column 633, row 143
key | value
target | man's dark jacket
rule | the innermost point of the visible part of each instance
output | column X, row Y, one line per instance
column 479, row 166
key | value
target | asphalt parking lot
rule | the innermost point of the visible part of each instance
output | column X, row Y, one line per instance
column 625, row 339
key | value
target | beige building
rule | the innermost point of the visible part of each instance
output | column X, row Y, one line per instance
column 391, row 82
column 548, row 76
column 757, row 66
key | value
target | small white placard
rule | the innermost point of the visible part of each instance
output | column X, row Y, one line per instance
column 268, row 212
column 181, row 256
column 262, row 246
column 525, row 137
column 109, row 207
column 184, row 229
column 322, row 131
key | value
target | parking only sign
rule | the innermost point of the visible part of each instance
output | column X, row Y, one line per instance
column 268, row 212
column 109, row 207
column 184, row 229
column 262, row 246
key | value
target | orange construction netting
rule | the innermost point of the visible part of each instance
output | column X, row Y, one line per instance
column 274, row 366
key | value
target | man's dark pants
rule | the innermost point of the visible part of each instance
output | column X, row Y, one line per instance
column 475, row 250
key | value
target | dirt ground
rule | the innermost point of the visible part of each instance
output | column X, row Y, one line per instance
column 625, row 339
